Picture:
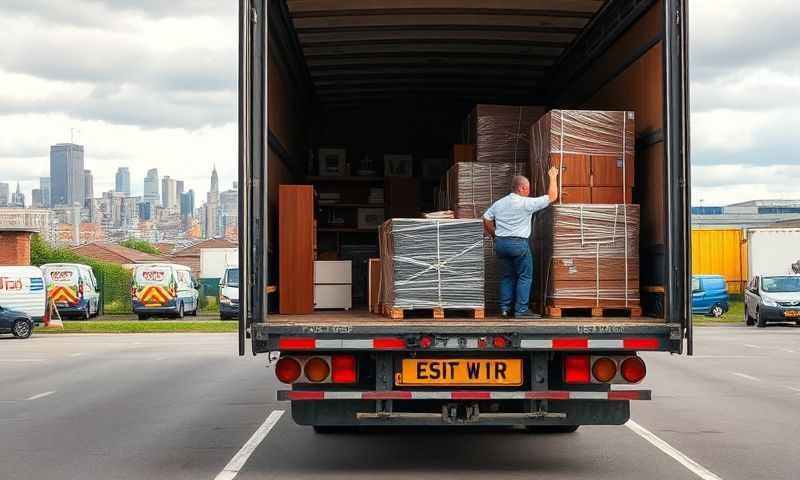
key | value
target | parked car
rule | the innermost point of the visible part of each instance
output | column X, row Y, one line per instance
column 15, row 322
column 772, row 299
column 229, row 294
column 163, row 289
column 73, row 288
column 22, row 290
column 709, row 295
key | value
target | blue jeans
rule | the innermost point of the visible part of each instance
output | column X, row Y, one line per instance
column 516, row 273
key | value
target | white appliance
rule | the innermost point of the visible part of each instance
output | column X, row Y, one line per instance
column 333, row 284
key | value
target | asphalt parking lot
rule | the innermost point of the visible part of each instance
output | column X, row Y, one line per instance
column 184, row 405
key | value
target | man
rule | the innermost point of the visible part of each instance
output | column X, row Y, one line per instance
column 508, row 221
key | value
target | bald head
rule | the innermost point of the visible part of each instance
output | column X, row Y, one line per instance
column 521, row 186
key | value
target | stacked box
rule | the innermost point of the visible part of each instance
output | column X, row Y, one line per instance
column 594, row 151
column 590, row 256
column 469, row 190
column 501, row 133
column 429, row 263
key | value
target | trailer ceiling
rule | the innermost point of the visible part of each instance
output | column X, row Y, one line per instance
column 481, row 50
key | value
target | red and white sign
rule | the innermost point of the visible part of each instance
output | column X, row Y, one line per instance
column 153, row 275
column 11, row 285
column 61, row 276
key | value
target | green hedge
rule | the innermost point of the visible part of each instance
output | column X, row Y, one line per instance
column 114, row 281
column 141, row 245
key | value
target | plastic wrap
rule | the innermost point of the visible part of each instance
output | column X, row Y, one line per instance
column 593, row 256
column 432, row 263
column 501, row 133
column 471, row 188
column 592, row 150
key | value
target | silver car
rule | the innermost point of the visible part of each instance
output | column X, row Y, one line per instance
column 772, row 299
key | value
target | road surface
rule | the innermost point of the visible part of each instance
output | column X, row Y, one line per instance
column 183, row 406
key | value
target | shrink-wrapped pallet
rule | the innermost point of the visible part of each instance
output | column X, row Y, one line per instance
column 427, row 263
column 471, row 188
column 590, row 256
column 501, row 133
column 592, row 149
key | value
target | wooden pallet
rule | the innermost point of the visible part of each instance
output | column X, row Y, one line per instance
column 438, row 313
column 559, row 312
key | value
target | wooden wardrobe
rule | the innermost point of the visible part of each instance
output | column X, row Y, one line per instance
column 297, row 249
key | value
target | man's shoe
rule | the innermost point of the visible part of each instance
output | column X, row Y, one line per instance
column 527, row 316
column 504, row 315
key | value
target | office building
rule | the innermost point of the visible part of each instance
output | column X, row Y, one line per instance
column 187, row 204
column 168, row 195
column 212, row 218
column 4, row 190
column 88, row 186
column 151, row 189
column 18, row 198
column 66, row 174
column 179, row 186
column 44, row 186
column 122, row 182
column 36, row 198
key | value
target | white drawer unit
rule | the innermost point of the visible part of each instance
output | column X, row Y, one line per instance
column 333, row 284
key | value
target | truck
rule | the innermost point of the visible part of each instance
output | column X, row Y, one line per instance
column 773, row 251
column 214, row 261
column 388, row 74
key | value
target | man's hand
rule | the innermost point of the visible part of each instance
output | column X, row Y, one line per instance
column 552, row 189
column 553, row 173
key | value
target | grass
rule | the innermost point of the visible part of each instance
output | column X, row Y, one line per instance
column 144, row 326
column 735, row 315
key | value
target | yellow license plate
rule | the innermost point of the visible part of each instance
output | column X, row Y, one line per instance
column 459, row 372
column 791, row 313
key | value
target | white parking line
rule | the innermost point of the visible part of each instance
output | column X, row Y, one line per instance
column 75, row 354
column 237, row 462
column 41, row 395
column 748, row 377
column 750, row 345
column 680, row 457
column 20, row 360
column 794, row 389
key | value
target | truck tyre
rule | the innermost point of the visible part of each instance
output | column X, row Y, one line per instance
column 717, row 311
column 87, row 312
column 748, row 320
column 21, row 329
column 760, row 322
column 553, row 429
column 142, row 316
column 180, row 311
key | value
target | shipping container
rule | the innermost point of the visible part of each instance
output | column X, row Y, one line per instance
column 721, row 252
column 384, row 77
column 773, row 251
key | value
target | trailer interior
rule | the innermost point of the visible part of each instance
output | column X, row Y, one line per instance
column 384, row 76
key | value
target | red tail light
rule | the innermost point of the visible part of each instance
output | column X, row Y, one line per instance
column 633, row 369
column 344, row 369
column 500, row 342
column 604, row 369
column 80, row 289
column 133, row 292
column 576, row 369
column 425, row 342
column 288, row 370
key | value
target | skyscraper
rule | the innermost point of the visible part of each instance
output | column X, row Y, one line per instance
column 36, row 198
column 4, row 194
column 123, row 181
column 179, row 186
column 66, row 174
column 88, row 186
column 18, row 198
column 187, row 203
column 212, row 207
column 44, row 186
column 168, row 196
column 151, row 188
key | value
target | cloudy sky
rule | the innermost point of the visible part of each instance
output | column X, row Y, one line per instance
column 152, row 83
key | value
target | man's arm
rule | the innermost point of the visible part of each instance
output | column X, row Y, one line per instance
column 552, row 189
column 488, row 225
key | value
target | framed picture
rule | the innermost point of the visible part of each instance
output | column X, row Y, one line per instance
column 397, row 165
column 332, row 161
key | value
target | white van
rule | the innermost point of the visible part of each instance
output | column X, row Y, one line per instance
column 229, row 294
column 22, row 290
column 163, row 289
column 73, row 288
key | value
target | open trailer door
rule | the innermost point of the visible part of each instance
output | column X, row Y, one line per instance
column 252, row 167
column 678, row 193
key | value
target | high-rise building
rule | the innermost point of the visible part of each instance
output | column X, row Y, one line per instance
column 179, row 189
column 168, row 196
column 187, row 204
column 88, row 186
column 151, row 188
column 122, row 182
column 66, row 174
column 212, row 217
column 145, row 210
column 229, row 208
column 18, row 198
column 44, row 186
column 36, row 198
column 4, row 194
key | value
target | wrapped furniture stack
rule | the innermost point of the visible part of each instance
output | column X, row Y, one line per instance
column 501, row 133
column 587, row 245
column 429, row 264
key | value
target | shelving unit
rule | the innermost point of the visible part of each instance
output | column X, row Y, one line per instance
column 339, row 178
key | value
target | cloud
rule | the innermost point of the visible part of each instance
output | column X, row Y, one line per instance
column 729, row 183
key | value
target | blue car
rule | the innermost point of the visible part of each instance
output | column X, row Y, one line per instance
column 709, row 295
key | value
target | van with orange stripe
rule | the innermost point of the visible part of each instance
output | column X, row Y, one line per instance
column 73, row 287
column 163, row 289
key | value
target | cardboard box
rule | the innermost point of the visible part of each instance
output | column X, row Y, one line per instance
column 501, row 133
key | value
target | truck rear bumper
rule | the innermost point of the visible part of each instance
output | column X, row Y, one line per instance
column 316, row 395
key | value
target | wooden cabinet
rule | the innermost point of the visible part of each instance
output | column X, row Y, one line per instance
column 297, row 244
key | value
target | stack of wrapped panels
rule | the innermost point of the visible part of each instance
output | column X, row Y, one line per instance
column 591, row 148
column 591, row 256
column 501, row 133
column 432, row 263
column 470, row 189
